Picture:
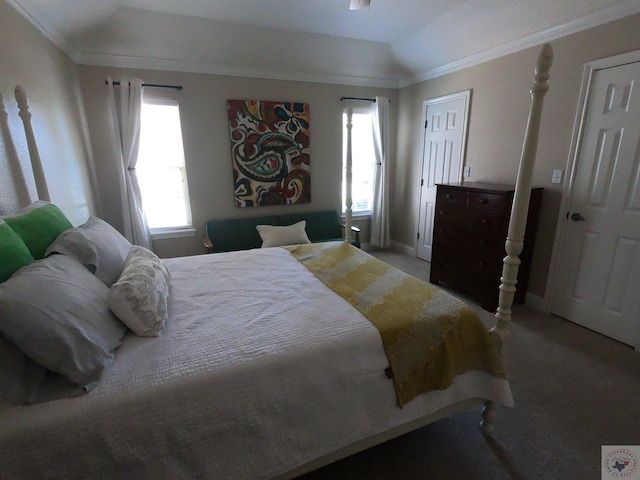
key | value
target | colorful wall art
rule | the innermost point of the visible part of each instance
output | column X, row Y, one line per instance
column 269, row 152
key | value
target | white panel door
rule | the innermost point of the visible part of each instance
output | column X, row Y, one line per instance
column 442, row 155
column 598, row 283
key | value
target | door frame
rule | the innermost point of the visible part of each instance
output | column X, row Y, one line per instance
column 590, row 69
column 466, row 95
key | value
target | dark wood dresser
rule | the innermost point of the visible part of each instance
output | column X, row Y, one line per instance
column 470, row 230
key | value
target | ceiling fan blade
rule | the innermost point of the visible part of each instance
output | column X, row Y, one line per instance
column 358, row 4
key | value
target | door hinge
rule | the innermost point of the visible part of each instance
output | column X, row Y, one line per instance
column 426, row 122
column 418, row 236
column 422, row 182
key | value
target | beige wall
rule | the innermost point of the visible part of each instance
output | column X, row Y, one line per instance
column 50, row 78
column 499, row 108
column 206, row 141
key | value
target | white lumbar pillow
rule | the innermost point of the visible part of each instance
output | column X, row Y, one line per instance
column 140, row 296
column 273, row 236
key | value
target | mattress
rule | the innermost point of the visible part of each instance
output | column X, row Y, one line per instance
column 260, row 369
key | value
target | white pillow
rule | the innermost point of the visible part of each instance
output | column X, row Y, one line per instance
column 97, row 245
column 56, row 312
column 273, row 236
column 139, row 298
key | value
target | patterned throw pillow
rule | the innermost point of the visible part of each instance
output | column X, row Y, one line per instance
column 139, row 298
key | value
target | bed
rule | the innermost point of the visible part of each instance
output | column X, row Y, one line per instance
column 266, row 368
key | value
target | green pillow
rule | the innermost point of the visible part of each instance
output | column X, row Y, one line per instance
column 14, row 254
column 38, row 226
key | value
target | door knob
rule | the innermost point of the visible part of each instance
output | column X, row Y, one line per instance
column 576, row 217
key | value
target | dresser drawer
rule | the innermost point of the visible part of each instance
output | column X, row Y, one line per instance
column 449, row 235
column 451, row 196
column 482, row 285
column 470, row 219
column 480, row 266
column 491, row 202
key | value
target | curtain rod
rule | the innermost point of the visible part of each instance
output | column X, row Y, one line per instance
column 175, row 87
column 359, row 98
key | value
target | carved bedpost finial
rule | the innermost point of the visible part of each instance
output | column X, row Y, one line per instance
column 21, row 98
column 545, row 60
column 15, row 168
column 520, row 208
column 543, row 65
column 36, row 163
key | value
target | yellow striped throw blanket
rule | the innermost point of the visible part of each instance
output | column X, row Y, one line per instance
column 429, row 336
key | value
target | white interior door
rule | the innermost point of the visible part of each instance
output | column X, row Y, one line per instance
column 598, row 281
column 445, row 132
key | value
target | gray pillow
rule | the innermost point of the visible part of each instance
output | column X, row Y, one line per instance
column 24, row 381
column 97, row 245
column 57, row 313
column 139, row 298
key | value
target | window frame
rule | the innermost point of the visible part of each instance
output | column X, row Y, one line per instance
column 156, row 97
column 357, row 110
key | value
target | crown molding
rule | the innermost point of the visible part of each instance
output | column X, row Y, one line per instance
column 29, row 11
column 606, row 15
column 123, row 61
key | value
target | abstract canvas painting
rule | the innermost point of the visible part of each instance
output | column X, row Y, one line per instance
column 269, row 152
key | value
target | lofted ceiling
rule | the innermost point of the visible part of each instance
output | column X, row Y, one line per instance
column 394, row 43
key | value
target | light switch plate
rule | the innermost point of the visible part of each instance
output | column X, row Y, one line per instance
column 557, row 176
column 466, row 172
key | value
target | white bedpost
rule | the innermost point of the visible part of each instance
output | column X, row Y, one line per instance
column 348, row 235
column 520, row 208
column 519, row 213
column 36, row 163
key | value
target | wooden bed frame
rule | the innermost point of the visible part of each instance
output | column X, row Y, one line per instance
column 514, row 244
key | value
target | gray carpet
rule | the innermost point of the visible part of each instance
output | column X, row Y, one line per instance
column 574, row 391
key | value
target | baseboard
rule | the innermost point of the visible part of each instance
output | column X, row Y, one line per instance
column 534, row 301
column 404, row 248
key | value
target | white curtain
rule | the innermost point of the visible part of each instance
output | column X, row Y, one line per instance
column 126, row 103
column 380, row 209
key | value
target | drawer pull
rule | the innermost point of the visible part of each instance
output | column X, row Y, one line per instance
column 484, row 221
column 442, row 212
column 448, row 196
column 484, row 201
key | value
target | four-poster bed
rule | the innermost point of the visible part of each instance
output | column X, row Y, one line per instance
column 241, row 384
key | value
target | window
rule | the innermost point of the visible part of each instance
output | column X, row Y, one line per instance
column 161, row 169
column 363, row 161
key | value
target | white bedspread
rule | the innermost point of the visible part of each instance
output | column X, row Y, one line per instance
column 260, row 369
